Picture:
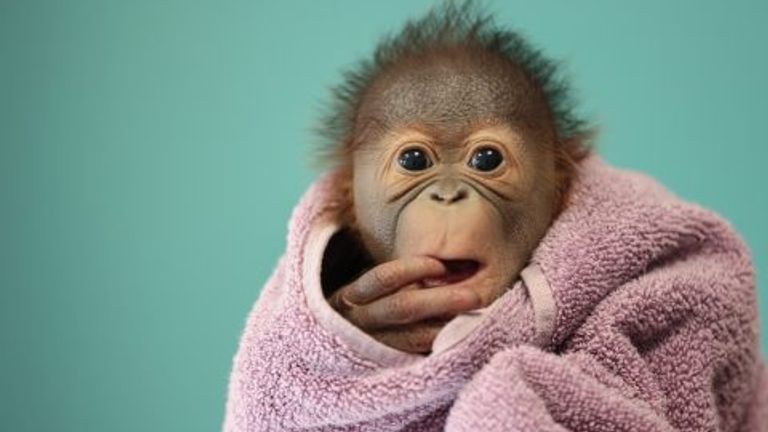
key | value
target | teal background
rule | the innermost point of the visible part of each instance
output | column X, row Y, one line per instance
column 151, row 153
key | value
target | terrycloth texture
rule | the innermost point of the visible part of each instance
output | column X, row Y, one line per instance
column 654, row 329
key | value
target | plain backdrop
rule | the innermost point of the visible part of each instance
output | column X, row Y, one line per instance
column 151, row 153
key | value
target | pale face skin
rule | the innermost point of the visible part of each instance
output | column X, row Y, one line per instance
column 452, row 192
column 497, row 220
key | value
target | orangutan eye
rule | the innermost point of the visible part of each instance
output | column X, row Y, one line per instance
column 414, row 159
column 486, row 159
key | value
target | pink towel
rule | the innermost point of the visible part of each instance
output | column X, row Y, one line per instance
column 637, row 312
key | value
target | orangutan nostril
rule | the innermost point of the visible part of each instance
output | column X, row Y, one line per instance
column 449, row 197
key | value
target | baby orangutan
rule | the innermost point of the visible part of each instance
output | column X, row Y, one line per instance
column 456, row 170
column 469, row 264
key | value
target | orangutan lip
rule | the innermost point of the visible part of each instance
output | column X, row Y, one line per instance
column 457, row 270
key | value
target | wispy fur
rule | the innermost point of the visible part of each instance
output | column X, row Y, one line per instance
column 451, row 24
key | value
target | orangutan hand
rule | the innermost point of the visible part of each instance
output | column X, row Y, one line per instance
column 390, row 302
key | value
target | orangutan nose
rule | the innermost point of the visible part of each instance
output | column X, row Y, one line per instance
column 448, row 192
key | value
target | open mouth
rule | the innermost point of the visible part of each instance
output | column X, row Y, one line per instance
column 457, row 270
